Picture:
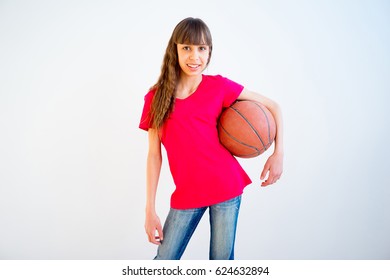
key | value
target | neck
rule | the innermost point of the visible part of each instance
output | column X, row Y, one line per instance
column 189, row 82
column 187, row 85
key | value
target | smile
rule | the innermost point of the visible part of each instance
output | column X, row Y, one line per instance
column 193, row 66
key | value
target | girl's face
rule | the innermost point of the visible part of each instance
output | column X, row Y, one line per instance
column 192, row 58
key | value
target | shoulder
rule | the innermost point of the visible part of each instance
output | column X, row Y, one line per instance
column 150, row 94
column 213, row 78
column 217, row 80
column 148, row 98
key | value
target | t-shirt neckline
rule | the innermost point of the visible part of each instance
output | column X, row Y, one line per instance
column 196, row 90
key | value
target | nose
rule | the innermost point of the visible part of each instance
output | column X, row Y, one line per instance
column 194, row 55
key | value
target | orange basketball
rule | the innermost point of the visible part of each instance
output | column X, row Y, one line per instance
column 246, row 128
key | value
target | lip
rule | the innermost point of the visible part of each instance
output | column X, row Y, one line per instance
column 193, row 67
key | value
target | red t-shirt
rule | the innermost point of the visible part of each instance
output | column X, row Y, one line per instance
column 204, row 172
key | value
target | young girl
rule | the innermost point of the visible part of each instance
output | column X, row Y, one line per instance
column 181, row 112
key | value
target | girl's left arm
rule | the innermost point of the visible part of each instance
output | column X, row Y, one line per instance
column 274, row 164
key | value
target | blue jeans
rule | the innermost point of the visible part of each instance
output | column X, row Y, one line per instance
column 181, row 224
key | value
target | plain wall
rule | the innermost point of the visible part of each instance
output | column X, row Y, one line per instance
column 73, row 75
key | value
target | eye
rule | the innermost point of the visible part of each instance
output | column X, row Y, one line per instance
column 203, row 48
column 186, row 48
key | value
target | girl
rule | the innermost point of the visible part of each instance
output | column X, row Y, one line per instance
column 181, row 112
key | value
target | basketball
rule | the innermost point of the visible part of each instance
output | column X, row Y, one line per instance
column 246, row 129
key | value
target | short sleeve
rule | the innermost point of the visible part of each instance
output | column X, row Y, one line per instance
column 145, row 117
column 232, row 91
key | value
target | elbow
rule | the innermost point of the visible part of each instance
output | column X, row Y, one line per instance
column 154, row 156
column 275, row 106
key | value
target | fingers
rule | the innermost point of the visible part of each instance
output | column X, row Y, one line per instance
column 274, row 168
column 160, row 232
column 270, row 180
column 272, row 177
column 263, row 175
column 154, row 230
column 265, row 170
column 154, row 237
column 157, row 235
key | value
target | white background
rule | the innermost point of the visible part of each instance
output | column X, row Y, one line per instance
column 72, row 159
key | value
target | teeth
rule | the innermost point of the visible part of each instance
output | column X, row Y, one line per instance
column 193, row 65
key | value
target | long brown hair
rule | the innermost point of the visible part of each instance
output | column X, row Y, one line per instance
column 191, row 31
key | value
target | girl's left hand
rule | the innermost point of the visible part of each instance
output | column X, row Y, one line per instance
column 274, row 168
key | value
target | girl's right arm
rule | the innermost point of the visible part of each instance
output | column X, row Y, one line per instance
column 153, row 168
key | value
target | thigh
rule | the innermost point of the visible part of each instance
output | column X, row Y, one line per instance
column 223, row 222
column 178, row 229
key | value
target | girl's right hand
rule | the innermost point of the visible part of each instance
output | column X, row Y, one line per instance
column 153, row 228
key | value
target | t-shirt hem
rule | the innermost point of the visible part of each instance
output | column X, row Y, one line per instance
column 210, row 203
column 146, row 128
